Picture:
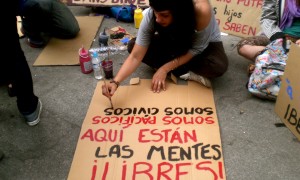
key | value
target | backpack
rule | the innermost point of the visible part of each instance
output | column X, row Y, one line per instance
column 266, row 78
column 123, row 13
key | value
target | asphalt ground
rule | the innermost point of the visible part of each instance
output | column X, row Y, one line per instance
column 255, row 144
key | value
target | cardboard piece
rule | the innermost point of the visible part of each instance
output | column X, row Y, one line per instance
column 238, row 17
column 287, row 104
column 149, row 135
column 134, row 81
column 174, row 78
column 65, row 51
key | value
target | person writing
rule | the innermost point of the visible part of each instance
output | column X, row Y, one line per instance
column 44, row 19
column 178, row 37
column 279, row 19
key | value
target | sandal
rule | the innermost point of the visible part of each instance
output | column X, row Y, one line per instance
column 254, row 41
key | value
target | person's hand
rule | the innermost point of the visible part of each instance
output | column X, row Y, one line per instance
column 109, row 88
column 298, row 42
column 159, row 80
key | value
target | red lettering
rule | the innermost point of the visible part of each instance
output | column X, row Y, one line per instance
column 145, row 171
column 158, row 171
column 161, row 173
column 244, row 29
column 187, row 120
column 250, row 3
column 209, row 120
column 105, row 171
column 220, row 169
column 166, row 135
column 198, row 166
column 141, row 136
column 124, row 170
column 94, row 171
column 88, row 134
column 227, row 1
column 101, row 135
column 178, row 172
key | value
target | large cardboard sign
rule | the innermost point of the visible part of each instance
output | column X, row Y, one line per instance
column 65, row 51
column 169, row 135
column 141, row 3
column 288, row 101
column 235, row 17
column 238, row 17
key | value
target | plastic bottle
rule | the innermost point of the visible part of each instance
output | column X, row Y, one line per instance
column 138, row 16
column 85, row 61
column 97, row 65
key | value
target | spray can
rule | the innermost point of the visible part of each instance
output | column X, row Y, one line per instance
column 85, row 61
column 138, row 16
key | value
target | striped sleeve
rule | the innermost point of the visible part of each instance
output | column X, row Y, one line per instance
column 270, row 17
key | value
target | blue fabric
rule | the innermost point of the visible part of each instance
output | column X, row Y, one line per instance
column 124, row 13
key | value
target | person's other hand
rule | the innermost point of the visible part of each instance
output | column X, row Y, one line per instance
column 159, row 80
column 108, row 89
column 298, row 42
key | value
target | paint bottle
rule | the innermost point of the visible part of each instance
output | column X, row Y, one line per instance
column 85, row 61
column 138, row 16
column 103, row 38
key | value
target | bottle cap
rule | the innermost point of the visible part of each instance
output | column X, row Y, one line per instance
column 138, row 10
column 83, row 52
column 95, row 54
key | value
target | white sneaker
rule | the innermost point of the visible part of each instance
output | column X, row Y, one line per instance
column 34, row 118
column 196, row 77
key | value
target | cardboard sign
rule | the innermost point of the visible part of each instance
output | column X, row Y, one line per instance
column 288, row 101
column 65, row 51
column 235, row 17
column 238, row 17
column 173, row 134
column 140, row 3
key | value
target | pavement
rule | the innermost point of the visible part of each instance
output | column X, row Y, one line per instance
column 254, row 148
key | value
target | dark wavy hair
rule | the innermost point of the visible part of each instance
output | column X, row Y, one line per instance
column 184, row 21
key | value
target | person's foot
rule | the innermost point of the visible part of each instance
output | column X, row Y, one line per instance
column 196, row 77
column 33, row 40
column 35, row 43
column 1, row 155
column 34, row 118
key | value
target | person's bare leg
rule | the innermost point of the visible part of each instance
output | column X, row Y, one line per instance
column 250, row 52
